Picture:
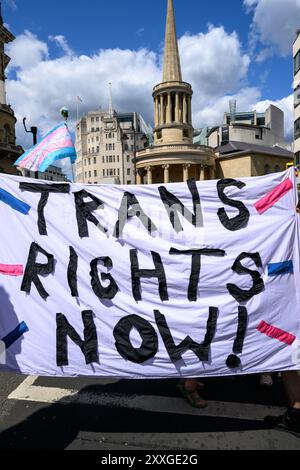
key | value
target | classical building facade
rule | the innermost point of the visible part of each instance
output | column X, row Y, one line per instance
column 296, row 55
column 9, row 151
column 106, row 145
column 173, row 157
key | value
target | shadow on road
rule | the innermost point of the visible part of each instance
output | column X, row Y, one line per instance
column 57, row 426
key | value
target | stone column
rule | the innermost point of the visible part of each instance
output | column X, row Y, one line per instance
column 139, row 177
column 202, row 174
column 190, row 109
column 185, row 171
column 156, row 111
column 184, row 109
column 169, row 109
column 161, row 117
column 166, row 169
column 177, row 107
column 149, row 174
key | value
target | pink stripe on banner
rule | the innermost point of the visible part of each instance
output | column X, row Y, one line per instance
column 276, row 333
column 11, row 270
column 270, row 199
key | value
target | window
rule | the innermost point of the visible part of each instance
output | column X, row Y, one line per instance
column 118, row 158
column 93, row 119
column 90, row 174
column 297, row 128
column 103, row 159
column 95, row 160
column 128, row 182
column 93, row 129
column 97, row 119
column 297, row 63
column 128, row 159
column 277, row 169
column 6, row 133
column 132, row 148
column 104, row 173
column 267, row 169
column 259, row 134
column 95, row 172
column 98, row 149
column 118, row 171
column 89, row 161
column 297, row 97
column 128, row 172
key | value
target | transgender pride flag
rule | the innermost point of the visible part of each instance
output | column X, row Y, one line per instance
column 55, row 146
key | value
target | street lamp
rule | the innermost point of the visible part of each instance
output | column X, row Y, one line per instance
column 33, row 131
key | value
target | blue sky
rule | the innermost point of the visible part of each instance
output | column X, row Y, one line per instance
column 239, row 48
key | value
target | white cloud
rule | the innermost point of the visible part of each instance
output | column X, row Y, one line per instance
column 62, row 43
column 27, row 51
column 275, row 23
column 213, row 62
column 212, row 113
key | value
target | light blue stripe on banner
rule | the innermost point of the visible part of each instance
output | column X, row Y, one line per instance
column 67, row 152
column 13, row 202
column 279, row 269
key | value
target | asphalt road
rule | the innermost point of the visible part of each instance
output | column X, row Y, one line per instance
column 44, row 413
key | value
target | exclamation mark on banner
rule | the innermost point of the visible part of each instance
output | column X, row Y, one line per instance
column 233, row 361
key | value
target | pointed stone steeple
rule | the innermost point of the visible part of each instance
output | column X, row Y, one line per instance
column 173, row 157
column 172, row 68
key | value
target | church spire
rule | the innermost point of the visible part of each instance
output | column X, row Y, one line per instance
column 172, row 68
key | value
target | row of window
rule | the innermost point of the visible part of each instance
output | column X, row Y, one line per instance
column 107, row 159
column 92, row 139
column 110, row 147
column 92, row 150
column 106, row 172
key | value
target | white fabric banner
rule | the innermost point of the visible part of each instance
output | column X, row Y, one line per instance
column 191, row 279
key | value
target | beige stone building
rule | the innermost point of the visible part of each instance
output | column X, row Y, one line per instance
column 241, row 159
column 106, row 144
column 9, row 151
column 173, row 156
column 296, row 55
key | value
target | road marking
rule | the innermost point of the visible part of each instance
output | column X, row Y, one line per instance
column 156, row 404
